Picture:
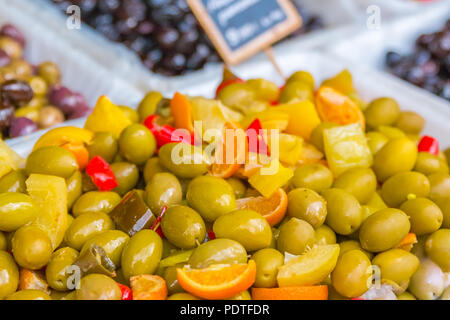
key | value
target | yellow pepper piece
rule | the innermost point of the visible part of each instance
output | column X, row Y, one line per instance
column 50, row 193
column 9, row 160
column 181, row 111
column 107, row 117
column 63, row 135
column 289, row 148
column 270, row 178
column 303, row 118
column 342, row 82
column 346, row 147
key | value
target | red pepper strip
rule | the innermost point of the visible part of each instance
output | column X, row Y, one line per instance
column 429, row 144
column 156, row 226
column 227, row 83
column 127, row 294
column 261, row 146
column 211, row 235
column 101, row 173
column 165, row 134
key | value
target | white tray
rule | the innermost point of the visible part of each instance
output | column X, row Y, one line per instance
column 79, row 72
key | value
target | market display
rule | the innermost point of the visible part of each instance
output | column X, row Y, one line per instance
column 31, row 96
column 321, row 187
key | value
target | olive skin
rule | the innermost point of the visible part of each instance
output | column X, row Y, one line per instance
column 3, row 241
column 141, row 255
column 183, row 227
column 152, row 167
column 360, row 182
column 10, row 274
column 74, row 188
column 428, row 282
column 104, row 145
column 31, row 247
column 398, row 155
column 164, row 189
column 428, row 163
column 54, row 161
column 306, row 204
column 238, row 186
column 424, row 215
column 313, row 176
column 148, row 105
column 86, row 226
column 137, row 144
column 343, row 211
column 444, row 205
column 95, row 201
column 349, row 245
column 246, row 227
column 13, row 181
column 384, row 230
column 296, row 90
column 382, row 112
column 218, row 251
column 351, row 275
column 439, row 185
column 410, row 122
column 376, row 140
column 397, row 265
column 324, row 235
column 317, row 134
column 16, row 210
column 127, row 176
column 437, row 247
column 56, row 271
column 29, row 294
column 212, row 197
column 267, row 263
column 398, row 187
column 98, row 287
column 170, row 276
column 187, row 167
column 295, row 236
column 112, row 241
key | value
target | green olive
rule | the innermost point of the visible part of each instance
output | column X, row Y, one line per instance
column 98, row 287
column 397, row 265
column 3, row 241
column 149, row 104
column 183, row 227
column 306, row 204
column 164, row 189
column 428, row 163
column 264, row 89
column 137, row 144
column 95, row 201
column 382, row 112
column 112, row 241
column 349, row 245
column 14, row 181
column 324, row 235
column 317, row 134
column 360, row 182
column 267, row 263
column 16, row 210
column 384, row 230
column 74, row 188
column 444, row 205
column 302, row 76
column 141, row 254
column 212, row 197
column 428, row 281
column 424, row 215
column 398, row 155
column 86, row 226
column 351, row 275
column 247, row 227
column 168, row 249
column 376, row 140
column 54, row 161
column 391, row 132
column 29, row 294
column 105, row 145
column 127, row 176
column 406, row 296
column 344, row 211
column 31, row 247
column 9, row 279
column 398, row 188
column 295, row 236
column 152, row 167
column 296, row 90
column 238, row 186
column 57, row 272
column 440, row 185
column 437, row 247
column 218, row 251
column 237, row 96
column 170, row 276
column 410, row 122
column 313, row 176
column 183, row 160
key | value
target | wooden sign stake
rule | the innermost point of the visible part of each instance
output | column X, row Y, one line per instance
column 271, row 56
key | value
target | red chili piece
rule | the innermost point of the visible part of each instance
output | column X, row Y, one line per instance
column 211, row 235
column 156, row 226
column 165, row 134
column 261, row 146
column 101, row 173
column 127, row 294
column 429, row 144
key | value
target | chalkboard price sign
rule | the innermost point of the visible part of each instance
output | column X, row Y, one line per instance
column 242, row 28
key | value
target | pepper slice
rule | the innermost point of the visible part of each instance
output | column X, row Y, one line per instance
column 429, row 144
column 157, row 224
column 101, row 173
column 127, row 294
column 254, row 133
column 165, row 134
column 95, row 260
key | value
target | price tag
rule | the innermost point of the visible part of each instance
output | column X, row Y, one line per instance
column 242, row 28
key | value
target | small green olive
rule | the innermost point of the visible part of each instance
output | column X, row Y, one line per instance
column 54, row 161
column 164, row 189
column 57, row 272
column 9, row 279
column 137, row 144
column 398, row 188
column 98, row 287
column 360, row 182
column 31, row 247
column 295, row 236
column 424, row 215
column 267, row 263
column 313, row 176
column 218, row 251
column 306, row 204
column 437, row 247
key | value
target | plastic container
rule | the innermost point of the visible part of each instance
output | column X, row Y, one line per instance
column 79, row 71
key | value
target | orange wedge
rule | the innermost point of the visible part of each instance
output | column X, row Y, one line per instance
column 148, row 287
column 217, row 281
column 273, row 208
column 80, row 152
column 181, row 110
column 291, row 293
column 407, row 242
column 336, row 107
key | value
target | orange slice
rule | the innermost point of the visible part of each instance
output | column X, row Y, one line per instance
column 407, row 242
column 181, row 110
column 336, row 107
column 80, row 152
column 148, row 287
column 273, row 208
column 217, row 281
column 291, row 293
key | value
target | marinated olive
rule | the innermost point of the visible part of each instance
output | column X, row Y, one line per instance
column 163, row 189
column 54, row 161
column 10, row 275
column 424, row 215
column 170, row 276
column 313, row 176
column 127, row 176
column 410, row 122
column 302, row 76
column 317, row 134
column 74, row 188
column 360, row 182
column 267, row 263
column 105, row 145
column 376, row 140
column 112, row 241
column 295, row 236
column 3, row 241
column 98, row 287
column 437, row 247
column 399, row 187
column 324, row 235
column 382, row 112
column 352, row 245
column 428, row 281
column 57, row 271
column 238, row 186
column 428, row 163
column 31, row 247
column 444, row 205
column 439, row 185
column 306, row 204
column 183, row 160
column 218, row 251
column 16, row 210
column 149, row 104
column 95, row 201
column 296, row 90
column 152, row 167
column 14, row 181
column 137, row 144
